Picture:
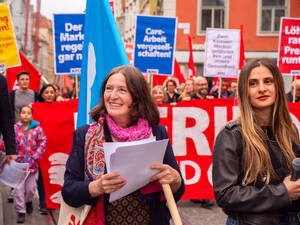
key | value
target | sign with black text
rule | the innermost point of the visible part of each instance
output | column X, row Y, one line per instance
column 222, row 52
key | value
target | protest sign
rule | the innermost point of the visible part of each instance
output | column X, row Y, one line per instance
column 9, row 56
column 155, row 44
column 222, row 50
column 289, row 46
column 68, row 42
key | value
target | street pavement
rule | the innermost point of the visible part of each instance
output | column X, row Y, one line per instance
column 194, row 214
column 191, row 213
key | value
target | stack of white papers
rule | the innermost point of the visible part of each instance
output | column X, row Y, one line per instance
column 14, row 174
column 133, row 161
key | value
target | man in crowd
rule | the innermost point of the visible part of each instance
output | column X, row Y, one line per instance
column 233, row 88
column 23, row 95
column 224, row 92
column 7, row 122
column 201, row 89
column 295, row 86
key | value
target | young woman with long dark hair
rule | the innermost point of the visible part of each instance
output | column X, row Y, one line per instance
column 252, row 159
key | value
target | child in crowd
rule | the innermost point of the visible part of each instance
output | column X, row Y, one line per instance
column 30, row 145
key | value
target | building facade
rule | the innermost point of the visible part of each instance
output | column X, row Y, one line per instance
column 260, row 20
column 126, row 11
column 45, row 61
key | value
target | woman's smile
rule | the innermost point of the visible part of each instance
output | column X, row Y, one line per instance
column 117, row 99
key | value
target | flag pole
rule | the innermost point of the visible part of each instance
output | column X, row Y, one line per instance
column 294, row 90
column 220, row 84
column 76, row 85
column 171, row 204
column 44, row 80
column 151, row 81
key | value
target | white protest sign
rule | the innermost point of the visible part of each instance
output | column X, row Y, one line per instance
column 222, row 52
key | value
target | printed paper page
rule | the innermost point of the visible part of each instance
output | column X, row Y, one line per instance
column 110, row 148
column 134, row 162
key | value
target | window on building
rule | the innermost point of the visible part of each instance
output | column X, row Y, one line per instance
column 270, row 12
column 211, row 14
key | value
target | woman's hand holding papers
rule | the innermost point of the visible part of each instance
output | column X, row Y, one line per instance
column 106, row 184
column 167, row 175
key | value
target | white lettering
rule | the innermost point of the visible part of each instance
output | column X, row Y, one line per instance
column 291, row 51
column 65, row 57
column 149, row 31
column 74, row 27
column 73, row 47
column 293, row 30
column 71, row 37
column 220, row 118
column 195, row 179
column 78, row 56
column 294, row 41
column 291, row 60
column 181, row 132
column 155, row 39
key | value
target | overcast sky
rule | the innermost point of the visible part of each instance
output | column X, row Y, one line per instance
column 48, row 7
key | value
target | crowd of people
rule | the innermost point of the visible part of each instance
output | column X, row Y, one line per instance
column 198, row 88
column 251, row 159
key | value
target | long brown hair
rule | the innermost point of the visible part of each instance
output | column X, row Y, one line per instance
column 143, row 106
column 257, row 161
column 184, row 93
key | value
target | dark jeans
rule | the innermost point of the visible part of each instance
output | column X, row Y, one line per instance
column 41, row 190
column 289, row 220
column 232, row 221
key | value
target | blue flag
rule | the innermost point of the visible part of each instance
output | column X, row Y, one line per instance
column 103, row 50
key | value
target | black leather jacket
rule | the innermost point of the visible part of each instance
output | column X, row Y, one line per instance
column 254, row 204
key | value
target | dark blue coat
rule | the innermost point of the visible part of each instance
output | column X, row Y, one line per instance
column 75, row 189
column 6, row 119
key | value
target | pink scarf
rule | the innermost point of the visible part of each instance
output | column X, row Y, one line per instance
column 95, row 162
column 137, row 132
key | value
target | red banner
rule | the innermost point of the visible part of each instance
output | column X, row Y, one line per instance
column 192, row 128
column 57, row 121
column 289, row 46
